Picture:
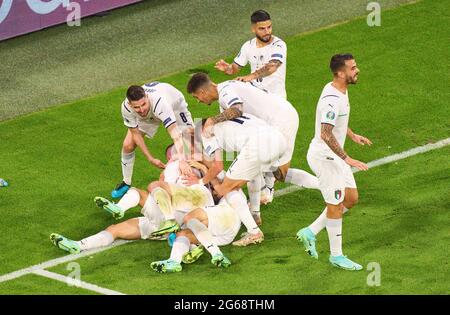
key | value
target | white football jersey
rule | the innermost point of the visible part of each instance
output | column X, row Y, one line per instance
column 258, row 57
column 269, row 107
column 233, row 135
column 333, row 108
column 167, row 106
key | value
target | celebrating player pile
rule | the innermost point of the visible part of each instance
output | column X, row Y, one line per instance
column 198, row 206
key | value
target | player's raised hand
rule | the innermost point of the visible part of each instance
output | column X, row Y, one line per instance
column 222, row 65
column 158, row 163
column 207, row 128
column 361, row 140
column 355, row 163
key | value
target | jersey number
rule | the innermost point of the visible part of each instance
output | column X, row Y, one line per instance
column 183, row 117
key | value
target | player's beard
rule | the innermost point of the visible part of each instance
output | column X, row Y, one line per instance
column 269, row 37
column 352, row 80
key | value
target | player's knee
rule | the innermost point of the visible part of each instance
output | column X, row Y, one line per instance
column 128, row 146
column 112, row 229
column 153, row 185
column 351, row 200
column 191, row 215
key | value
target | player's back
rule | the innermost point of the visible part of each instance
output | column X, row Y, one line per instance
column 269, row 107
column 156, row 90
column 234, row 134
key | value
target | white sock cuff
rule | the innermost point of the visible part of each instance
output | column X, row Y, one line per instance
column 128, row 156
column 334, row 222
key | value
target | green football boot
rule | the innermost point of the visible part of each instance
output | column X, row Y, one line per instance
column 307, row 237
column 221, row 261
column 344, row 263
column 166, row 266
column 193, row 255
column 165, row 227
column 110, row 207
column 64, row 243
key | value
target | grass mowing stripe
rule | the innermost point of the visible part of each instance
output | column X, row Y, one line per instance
column 64, row 259
column 77, row 283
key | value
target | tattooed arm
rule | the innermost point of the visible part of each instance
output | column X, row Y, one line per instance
column 264, row 71
column 326, row 133
column 230, row 113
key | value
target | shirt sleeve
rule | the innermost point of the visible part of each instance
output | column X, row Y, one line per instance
column 164, row 112
column 129, row 119
column 279, row 51
column 241, row 59
column 210, row 145
column 329, row 112
column 228, row 97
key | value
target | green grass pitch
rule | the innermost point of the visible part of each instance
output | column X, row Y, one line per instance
column 57, row 160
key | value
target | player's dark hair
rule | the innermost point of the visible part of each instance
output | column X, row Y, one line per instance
column 259, row 16
column 338, row 61
column 197, row 81
column 135, row 93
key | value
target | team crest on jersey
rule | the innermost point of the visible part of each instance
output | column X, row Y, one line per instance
column 331, row 115
column 338, row 194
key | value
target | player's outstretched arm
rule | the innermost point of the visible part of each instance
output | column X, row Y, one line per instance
column 230, row 113
column 358, row 138
column 175, row 134
column 264, row 71
column 139, row 140
column 327, row 136
column 227, row 68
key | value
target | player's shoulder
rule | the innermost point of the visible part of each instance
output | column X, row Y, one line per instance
column 125, row 108
column 250, row 43
column 278, row 42
column 225, row 85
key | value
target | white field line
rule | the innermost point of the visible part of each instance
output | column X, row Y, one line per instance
column 39, row 268
column 57, row 261
column 382, row 161
column 75, row 283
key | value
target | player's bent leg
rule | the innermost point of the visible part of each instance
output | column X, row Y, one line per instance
column 127, row 162
column 64, row 243
column 127, row 230
column 160, row 193
column 228, row 185
column 109, row 206
column 193, row 254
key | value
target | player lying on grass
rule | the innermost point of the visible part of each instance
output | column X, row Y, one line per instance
column 211, row 227
column 327, row 158
column 135, row 228
column 143, row 110
column 235, row 98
